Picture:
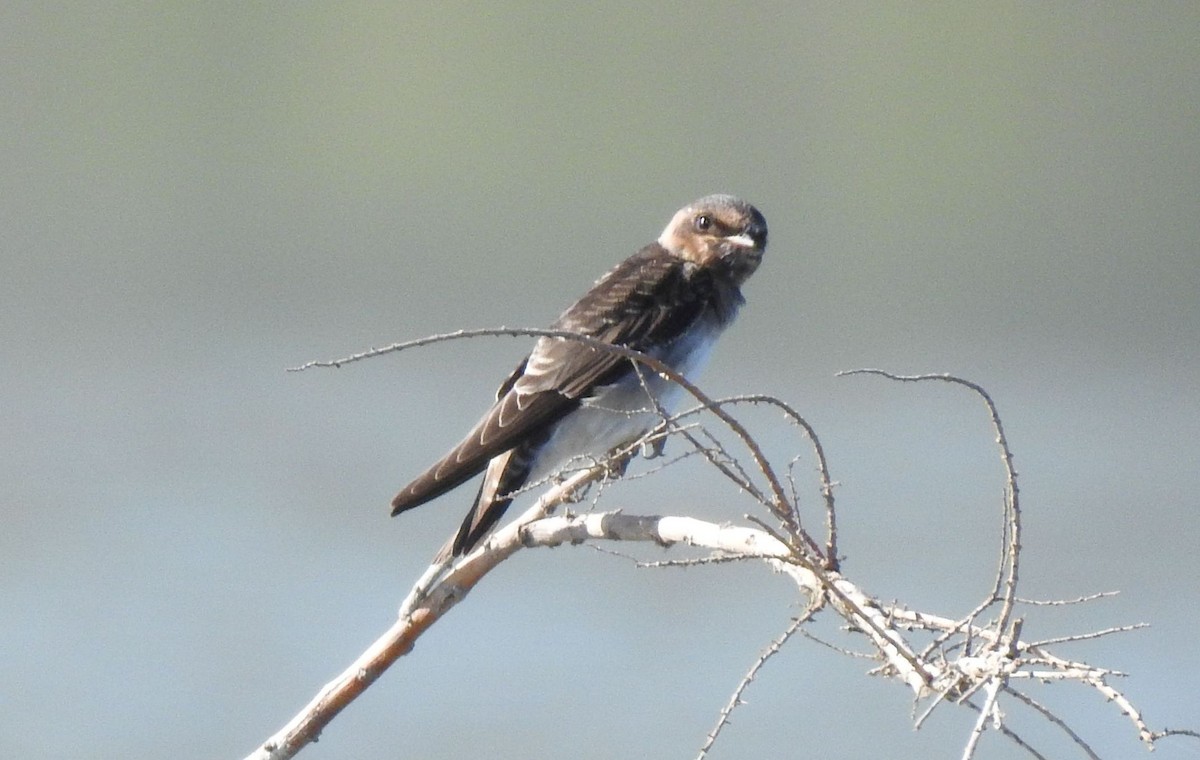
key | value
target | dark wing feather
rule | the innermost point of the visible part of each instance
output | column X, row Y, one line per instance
column 513, row 416
column 645, row 302
column 505, row 475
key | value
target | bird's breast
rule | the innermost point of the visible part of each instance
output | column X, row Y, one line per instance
column 619, row 413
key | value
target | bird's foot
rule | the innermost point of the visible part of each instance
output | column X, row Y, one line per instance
column 652, row 448
column 616, row 464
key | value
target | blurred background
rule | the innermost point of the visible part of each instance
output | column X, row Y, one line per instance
column 197, row 196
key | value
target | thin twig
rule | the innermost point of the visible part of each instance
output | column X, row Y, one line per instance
column 1088, row 636
column 1156, row 735
column 736, row 699
column 1054, row 719
column 1013, row 736
column 827, row 482
column 1065, row 602
column 840, row 650
column 992, row 688
column 1011, row 546
column 938, row 699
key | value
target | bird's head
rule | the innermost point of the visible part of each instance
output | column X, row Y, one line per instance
column 718, row 231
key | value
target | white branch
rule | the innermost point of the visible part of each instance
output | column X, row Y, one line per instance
column 882, row 624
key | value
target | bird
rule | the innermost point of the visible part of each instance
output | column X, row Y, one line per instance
column 568, row 401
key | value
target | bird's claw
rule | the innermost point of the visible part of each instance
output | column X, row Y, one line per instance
column 652, row 448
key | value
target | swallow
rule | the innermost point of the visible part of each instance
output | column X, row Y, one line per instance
column 567, row 401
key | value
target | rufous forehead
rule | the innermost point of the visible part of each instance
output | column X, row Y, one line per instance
column 727, row 219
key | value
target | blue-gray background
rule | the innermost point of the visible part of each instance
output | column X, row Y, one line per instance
column 196, row 196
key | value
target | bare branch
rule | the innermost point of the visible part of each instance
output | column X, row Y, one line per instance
column 865, row 614
column 439, row 588
column 943, row 661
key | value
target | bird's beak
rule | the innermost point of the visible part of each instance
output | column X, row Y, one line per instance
column 742, row 241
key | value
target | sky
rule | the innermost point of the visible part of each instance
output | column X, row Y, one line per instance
column 196, row 197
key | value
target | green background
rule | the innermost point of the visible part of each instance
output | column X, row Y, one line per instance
column 195, row 196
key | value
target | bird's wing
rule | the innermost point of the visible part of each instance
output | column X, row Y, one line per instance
column 505, row 474
column 513, row 416
column 645, row 302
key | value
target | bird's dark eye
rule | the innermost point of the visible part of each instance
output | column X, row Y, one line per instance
column 703, row 223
